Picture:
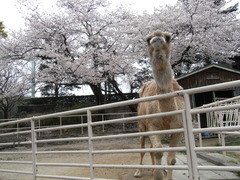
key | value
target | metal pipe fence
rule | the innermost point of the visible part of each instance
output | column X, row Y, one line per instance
column 61, row 120
column 219, row 116
column 91, row 138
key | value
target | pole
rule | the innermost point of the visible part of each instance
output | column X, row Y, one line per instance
column 189, row 138
column 34, row 148
column 33, row 63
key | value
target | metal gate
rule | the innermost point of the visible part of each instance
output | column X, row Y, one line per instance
column 35, row 142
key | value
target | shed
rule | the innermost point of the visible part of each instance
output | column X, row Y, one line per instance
column 212, row 74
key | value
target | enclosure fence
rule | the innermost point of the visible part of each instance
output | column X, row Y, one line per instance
column 189, row 132
column 60, row 121
column 222, row 118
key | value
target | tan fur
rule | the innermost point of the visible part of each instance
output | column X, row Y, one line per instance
column 159, row 48
column 150, row 88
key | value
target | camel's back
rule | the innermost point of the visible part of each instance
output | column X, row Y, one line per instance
column 150, row 89
column 150, row 107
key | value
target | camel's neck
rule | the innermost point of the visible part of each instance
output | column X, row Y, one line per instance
column 163, row 75
column 162, row 71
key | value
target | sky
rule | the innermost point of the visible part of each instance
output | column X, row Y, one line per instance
column 13, row 20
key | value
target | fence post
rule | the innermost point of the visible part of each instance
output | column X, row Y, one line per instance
column 199, row 134
column 124, row 129
column 82, row 123
column 222, row 135
column 39, row 127
column 90, row 143
column 34, row 148
column 189, row 140
column 18, row 131
column 103, row 126
column 60, row 121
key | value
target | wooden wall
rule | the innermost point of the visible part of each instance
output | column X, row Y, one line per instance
column 212, row 75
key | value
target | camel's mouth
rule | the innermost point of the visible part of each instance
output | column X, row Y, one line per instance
column 157, row 41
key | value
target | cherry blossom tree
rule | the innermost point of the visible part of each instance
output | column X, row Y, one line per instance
column 202, row 33
column 89, row 42
column 84, row 42
column 14, row 84
column 14, row 77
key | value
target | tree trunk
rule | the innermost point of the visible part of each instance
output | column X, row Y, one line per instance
column 5, row 113
column 4, row 108
column 56, row 90
column 97, row 91
column 118, row 91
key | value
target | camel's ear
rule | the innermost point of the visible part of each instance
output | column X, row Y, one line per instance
column 167, row 37
column 148, row 39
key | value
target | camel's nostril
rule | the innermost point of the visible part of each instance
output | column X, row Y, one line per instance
column 157, row 41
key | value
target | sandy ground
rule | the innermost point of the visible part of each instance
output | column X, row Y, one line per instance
column 121, row 159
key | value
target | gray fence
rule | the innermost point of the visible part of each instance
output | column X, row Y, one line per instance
column 189, row 132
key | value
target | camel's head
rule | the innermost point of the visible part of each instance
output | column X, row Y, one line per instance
column 160, row 42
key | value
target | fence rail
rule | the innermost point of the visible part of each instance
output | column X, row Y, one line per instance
column 61, row 119
column 189, row 137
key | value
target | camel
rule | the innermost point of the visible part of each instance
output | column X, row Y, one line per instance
column 159, row 47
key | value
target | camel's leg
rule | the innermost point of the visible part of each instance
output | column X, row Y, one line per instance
column 158, row 174
column 152, row 156
column 138, row 172
column 171, row 159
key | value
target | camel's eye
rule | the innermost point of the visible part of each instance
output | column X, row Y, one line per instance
column 168, row 37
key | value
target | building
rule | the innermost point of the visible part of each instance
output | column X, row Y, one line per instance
column 212, row 74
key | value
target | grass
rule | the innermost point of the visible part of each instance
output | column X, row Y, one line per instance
column 235, row 156
column 6, row 159
column 232, row 141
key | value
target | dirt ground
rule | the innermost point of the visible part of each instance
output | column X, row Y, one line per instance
column 121, row 159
